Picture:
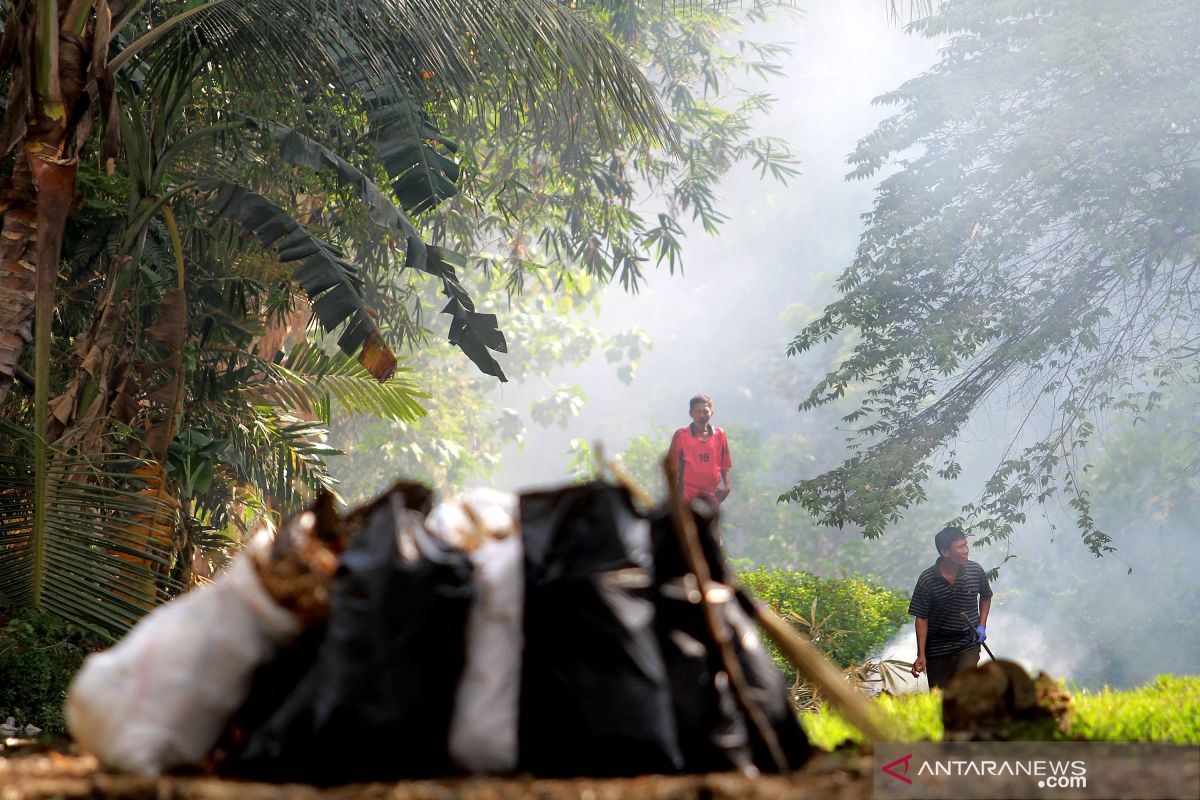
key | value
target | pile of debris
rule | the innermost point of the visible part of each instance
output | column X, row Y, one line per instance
column 558, row 633
column 998, row 700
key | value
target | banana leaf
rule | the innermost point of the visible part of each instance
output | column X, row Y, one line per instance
column 332, row 283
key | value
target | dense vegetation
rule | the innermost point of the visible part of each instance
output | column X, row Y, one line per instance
column 39, row 654
column 254, row 240
column 848, row 618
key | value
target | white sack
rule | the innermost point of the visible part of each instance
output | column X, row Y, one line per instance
column 483, row 728
column 162, row 695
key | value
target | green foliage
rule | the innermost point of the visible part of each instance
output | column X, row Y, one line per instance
column 1165, row 710
column 919, row 714
column 101, row 571
column 1038, row 241
column 548, row 214
column 557, row 201
column 39, row 654
column 847, row 618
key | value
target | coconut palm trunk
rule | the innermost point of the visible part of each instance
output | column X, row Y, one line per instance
column 49, row 50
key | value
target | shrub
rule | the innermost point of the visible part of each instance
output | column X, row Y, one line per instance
column 39, row 654
column 853, row 617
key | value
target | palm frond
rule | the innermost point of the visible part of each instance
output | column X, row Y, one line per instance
column 296, row 148
column 474, row 333
column 282, row 457
column 307, row 378
column 97, row 566
column 530, row 52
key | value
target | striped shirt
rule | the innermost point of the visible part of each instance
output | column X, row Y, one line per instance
column 943, row 604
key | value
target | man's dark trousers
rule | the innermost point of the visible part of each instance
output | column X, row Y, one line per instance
column 941, row 669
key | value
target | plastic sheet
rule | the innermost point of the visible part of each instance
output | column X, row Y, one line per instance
column 714, row 733
column 483, row 729
column 376, row 702
column 595, row 698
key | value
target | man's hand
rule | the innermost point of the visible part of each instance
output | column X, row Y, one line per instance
column 918, row 666
column 980, row 633
column 721, row 495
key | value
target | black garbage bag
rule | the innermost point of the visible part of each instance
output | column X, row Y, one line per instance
column 714, row 733
column 595, row 697
column 376, row 698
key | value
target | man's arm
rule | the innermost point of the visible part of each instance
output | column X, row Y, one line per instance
column 922, row 630
column 723, row 493
column 985, row 605
column 673, row 458
column 726, row 465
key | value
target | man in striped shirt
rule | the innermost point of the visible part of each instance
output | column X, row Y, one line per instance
column 951, row 603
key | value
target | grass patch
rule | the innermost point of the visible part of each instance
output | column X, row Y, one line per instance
column 920, row 715
column 1165, row 710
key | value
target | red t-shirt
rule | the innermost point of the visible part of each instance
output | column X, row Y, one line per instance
column 700, row 461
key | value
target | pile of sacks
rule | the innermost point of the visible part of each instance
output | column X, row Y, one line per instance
column 558, row 633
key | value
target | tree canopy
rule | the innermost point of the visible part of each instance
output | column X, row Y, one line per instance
column 549, row 215
column 1037, row 239
column 189, row 186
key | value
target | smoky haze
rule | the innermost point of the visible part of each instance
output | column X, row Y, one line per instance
column 722, row 327
column 719, row 329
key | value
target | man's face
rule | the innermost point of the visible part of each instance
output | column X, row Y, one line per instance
column 701, row 414
column 958, row 552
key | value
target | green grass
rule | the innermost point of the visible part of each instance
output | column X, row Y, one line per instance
column 920, row 715
column 1166, row 710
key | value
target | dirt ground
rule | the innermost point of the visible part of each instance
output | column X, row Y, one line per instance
column 52, row 775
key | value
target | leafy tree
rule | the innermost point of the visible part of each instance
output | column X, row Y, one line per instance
column 241, row 167
column 540, row 201
column 1036, row 247
column 549, row 214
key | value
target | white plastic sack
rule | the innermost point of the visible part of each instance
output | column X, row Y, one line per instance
column 483, row 728
column 162, row 695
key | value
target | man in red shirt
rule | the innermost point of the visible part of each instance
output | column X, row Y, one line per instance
column 701, row 455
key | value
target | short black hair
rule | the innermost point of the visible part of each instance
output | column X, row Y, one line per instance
column 946, row 537
column 700, row 398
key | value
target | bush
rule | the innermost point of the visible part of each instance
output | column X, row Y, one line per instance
column 39, row 654
column 853, row 618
